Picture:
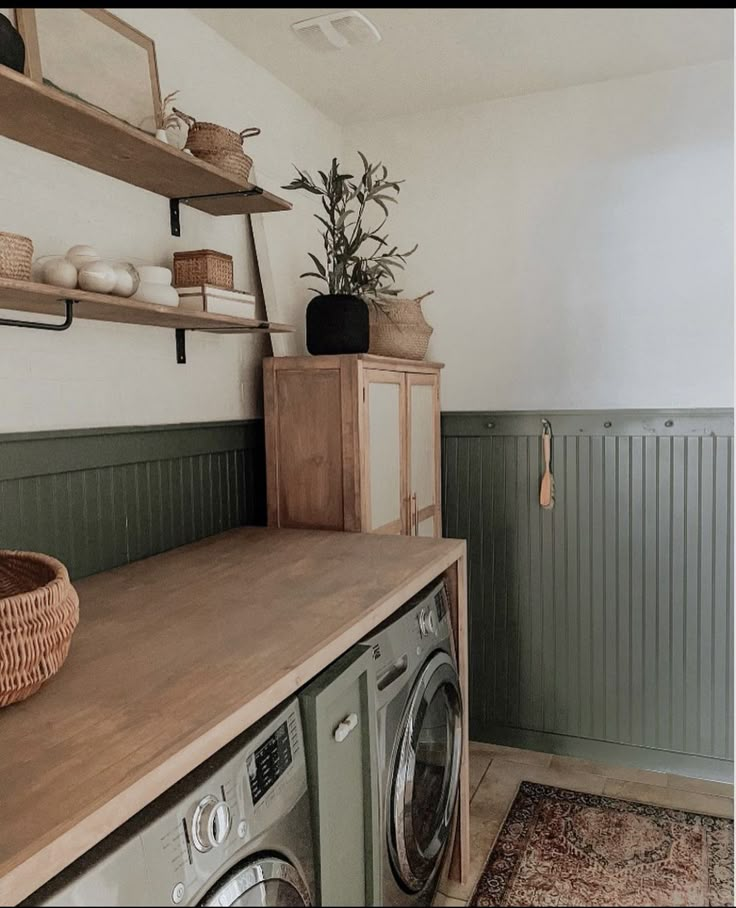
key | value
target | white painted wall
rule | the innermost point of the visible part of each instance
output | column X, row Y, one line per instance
column 104, row 374
column 579, row 241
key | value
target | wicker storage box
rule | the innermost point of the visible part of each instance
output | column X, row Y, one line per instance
column 39, row 609
column 203, row 266
column 398, row 328
column 16, row 255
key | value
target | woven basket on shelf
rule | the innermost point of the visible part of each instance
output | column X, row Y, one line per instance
column 203, row 266
column 16, row 255
column 39, row 609
column 219, row 146
column 235, row 163
column 398, row 328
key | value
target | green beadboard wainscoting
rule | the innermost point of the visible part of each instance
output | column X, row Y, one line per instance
column 99, row 498
column 601, row 628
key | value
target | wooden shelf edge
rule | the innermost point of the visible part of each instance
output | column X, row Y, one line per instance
column 30, row 296
column 47, row 119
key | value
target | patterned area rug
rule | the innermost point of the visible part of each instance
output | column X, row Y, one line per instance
column 561, row 847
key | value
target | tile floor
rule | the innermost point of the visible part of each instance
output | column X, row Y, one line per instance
column 495, row 774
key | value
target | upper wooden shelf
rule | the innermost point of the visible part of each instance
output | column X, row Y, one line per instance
column 51, row 121
column 27, row 296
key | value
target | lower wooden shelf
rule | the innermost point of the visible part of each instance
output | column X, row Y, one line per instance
column 28, row 296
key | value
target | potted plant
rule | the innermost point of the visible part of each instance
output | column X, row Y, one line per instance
column 358, row 264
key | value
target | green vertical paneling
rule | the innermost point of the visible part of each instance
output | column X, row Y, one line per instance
column 97, row 499
column 609, row 618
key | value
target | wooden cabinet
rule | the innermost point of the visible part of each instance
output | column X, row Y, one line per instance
column 353, row 443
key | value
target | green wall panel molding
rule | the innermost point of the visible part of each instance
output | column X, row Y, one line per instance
column 608, row 619
column 100, row 498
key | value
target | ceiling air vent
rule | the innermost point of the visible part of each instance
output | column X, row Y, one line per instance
column 336, row 31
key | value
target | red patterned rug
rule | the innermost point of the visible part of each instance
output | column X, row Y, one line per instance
column 560, row 847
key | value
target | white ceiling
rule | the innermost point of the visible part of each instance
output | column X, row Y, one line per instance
column 433, row 58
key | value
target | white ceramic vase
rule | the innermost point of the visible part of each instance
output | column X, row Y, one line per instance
column 155, row 286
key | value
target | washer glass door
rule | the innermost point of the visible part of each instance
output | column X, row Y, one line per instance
column 427, row 772
column 267, row 881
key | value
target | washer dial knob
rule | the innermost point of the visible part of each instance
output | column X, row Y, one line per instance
column 210, row 824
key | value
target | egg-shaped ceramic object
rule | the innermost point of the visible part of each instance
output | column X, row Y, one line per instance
column 59, row 271
column 126, row 280
column 97, row 277
column 81, row 255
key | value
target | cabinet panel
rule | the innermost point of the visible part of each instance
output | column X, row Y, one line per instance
column 309, row 455
column 384, row 450
column 423, row 453
column 339, row 711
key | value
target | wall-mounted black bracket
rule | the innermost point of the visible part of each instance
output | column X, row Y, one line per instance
column 43, row 326
column 181, row 346
column 174, row 204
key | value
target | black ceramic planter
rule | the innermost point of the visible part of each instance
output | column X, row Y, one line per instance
column 12, row 48
column 337, row 323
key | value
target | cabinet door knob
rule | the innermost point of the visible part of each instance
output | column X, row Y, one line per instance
column 345, row 727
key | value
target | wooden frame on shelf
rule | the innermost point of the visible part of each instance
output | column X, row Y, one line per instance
column 28, row 25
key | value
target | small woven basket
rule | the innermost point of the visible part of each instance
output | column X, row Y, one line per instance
column 219, row 146
column 203, row 266
column 235, row 163
column 39, row 609
column 398, row 328
column 16, row 255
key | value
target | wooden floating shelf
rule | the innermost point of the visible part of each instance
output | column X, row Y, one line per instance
column 45, row 299
column 47, row 119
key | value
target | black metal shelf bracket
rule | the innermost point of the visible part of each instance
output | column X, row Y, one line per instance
column 174, row 204
column 181, row 346
column 43, row 326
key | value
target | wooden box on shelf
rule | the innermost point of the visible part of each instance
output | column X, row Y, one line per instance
column 353, row 443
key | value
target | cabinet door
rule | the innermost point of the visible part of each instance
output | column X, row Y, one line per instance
column 339, row 712
column 384, row 463
column 423, row 457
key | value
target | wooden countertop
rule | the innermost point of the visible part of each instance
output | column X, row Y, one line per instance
column 173, row 657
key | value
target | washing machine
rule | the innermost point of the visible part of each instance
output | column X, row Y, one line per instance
column 236, row 831
column 419, row 744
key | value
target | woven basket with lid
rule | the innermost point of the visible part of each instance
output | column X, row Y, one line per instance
column 398, row 327
column 39, row 610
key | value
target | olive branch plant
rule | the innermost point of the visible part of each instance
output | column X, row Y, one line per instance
column 357, row 260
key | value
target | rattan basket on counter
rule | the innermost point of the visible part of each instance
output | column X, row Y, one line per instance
column 16, row 256
column 203, row 266
column 39, row 609
column 398, row 328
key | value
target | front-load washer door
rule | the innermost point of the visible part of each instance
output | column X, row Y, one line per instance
column 426, row 773
column 261, row 881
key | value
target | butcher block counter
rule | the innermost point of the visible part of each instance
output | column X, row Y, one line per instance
column 174, row 657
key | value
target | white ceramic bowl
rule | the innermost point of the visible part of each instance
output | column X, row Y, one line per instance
column 154, row 274
column 159, row 294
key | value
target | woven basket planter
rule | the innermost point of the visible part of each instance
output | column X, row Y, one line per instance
column 39, row 609
column 16, row 256
column 398, row 328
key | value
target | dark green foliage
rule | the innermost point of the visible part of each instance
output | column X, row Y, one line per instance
column 356, row 260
